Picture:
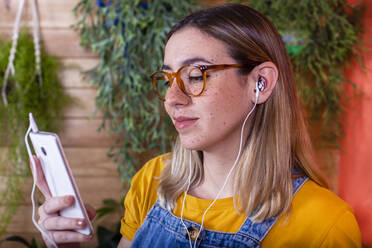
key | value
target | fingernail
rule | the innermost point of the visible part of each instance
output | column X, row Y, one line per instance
column 81, row 223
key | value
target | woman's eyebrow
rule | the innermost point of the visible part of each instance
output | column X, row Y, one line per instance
column 195, row 60
column 166, row 67
column 189, row 61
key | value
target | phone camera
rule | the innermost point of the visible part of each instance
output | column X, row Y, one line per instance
column 43, row 150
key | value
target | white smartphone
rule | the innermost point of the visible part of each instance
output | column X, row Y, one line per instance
column 57, row 172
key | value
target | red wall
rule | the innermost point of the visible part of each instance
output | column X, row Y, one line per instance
column 355, row 166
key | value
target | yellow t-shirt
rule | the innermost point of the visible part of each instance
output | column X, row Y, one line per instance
column 318, row 218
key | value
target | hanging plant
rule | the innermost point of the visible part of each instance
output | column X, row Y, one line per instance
column 321, row 38
column 26, row 91
column 129, row 37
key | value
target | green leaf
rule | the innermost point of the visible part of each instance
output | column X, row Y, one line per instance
column 18, row 239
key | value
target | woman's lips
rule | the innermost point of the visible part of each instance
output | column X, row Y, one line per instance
column 182, row 122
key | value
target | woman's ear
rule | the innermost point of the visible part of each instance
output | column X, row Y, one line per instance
column 265, row 75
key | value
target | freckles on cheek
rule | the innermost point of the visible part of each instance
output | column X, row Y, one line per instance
column 197, row 140
column 211, row 118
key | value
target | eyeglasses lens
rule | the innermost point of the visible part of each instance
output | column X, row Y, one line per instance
column 192, row 78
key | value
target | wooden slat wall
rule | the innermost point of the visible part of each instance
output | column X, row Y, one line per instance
column 86, row 149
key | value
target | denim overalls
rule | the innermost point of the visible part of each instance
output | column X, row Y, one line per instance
column 163, row 229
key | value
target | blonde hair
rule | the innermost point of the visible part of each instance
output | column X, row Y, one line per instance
column 278, row 141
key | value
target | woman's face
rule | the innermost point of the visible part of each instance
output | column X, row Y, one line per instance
column 214, row 119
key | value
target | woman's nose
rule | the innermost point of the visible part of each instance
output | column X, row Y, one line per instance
column 175, row 96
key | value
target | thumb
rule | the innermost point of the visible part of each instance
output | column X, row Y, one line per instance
column 40, row 178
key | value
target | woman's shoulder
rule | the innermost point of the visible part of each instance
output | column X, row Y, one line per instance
column 141, row 195
column 146, row 180
column 317, row 218
column 314, row 198
column 152, row 169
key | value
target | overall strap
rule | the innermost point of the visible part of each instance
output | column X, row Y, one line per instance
column 258, row 231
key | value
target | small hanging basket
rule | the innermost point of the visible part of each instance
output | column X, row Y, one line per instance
column 10, row 69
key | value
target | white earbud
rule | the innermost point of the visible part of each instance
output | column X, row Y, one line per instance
column 260, row 86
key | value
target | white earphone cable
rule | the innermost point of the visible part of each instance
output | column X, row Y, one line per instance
column 227, row 177
column 51, row 241
column 183, row 201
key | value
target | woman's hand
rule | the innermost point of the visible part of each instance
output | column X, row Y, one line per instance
column 57, row 227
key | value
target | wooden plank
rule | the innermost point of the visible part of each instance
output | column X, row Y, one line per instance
column 63, row 43
column 32, row 232
column 52, row 14
column 21, row 220
column 30, row 235
column 84, row 133
column 71, row 73
column 88, row 162
column 95, row 189
column 84, row 105
column 26, row 235
column 92, row 189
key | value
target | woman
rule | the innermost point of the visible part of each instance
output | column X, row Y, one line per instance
column 242, row 172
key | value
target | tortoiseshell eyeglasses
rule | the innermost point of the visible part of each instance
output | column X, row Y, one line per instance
column 191, row 79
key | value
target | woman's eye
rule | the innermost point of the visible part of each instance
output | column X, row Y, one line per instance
column 166, row 83
column 196, row 79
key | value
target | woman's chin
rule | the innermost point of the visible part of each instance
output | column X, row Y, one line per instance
column 194, row 143
column 191, row 144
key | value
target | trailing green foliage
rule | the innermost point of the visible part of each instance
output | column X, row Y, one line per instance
column 321, row 38
column 129, row 36
column 25, row 93
column 109, row 238
column 20, row 240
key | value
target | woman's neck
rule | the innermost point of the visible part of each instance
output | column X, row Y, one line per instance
column 218, row 160
column 217, row 166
